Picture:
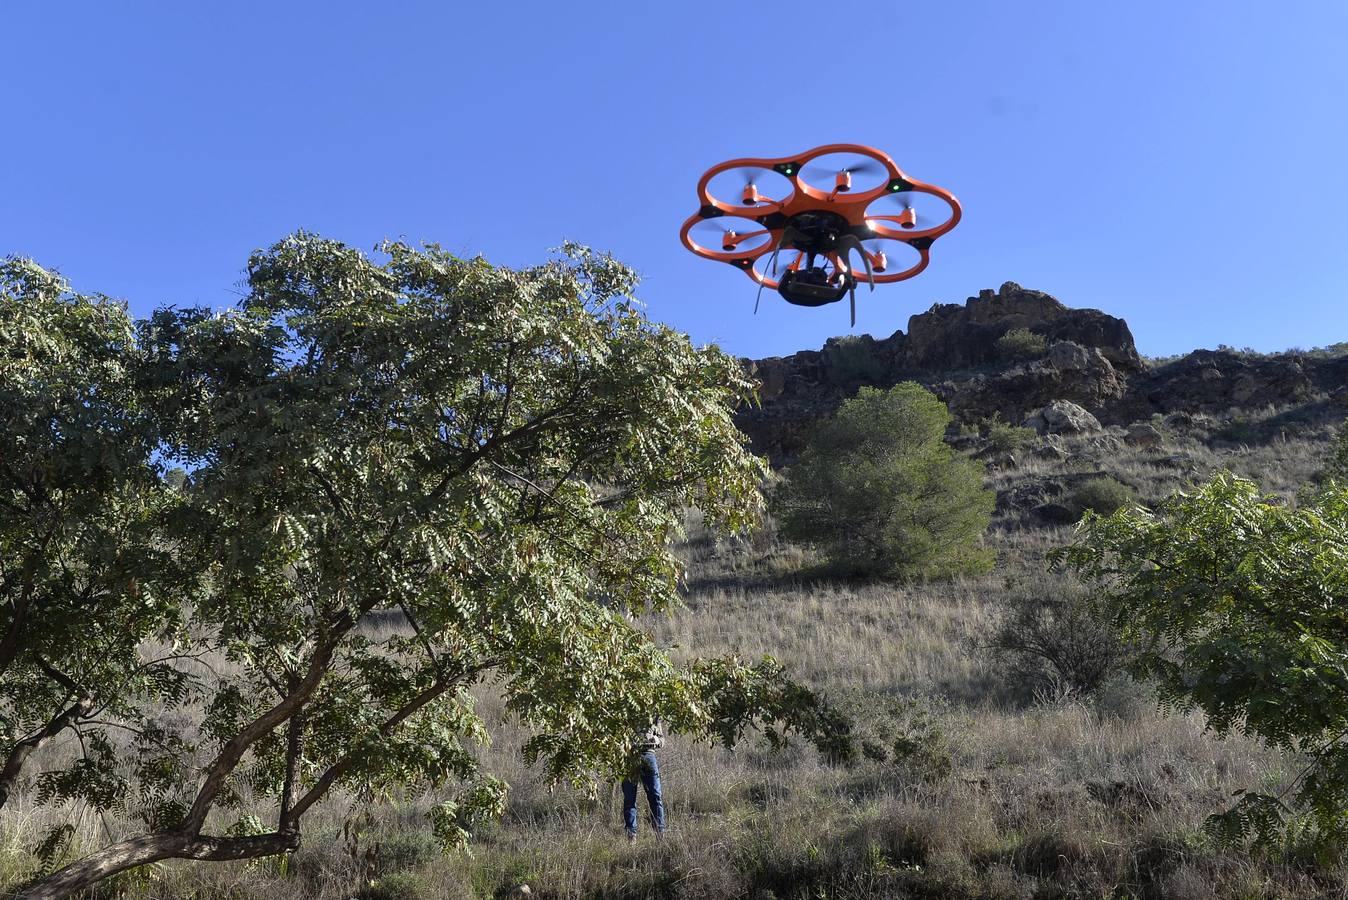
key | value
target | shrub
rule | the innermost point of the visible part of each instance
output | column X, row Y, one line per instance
column 1055, row 639
column 903, row 733
column 406, row 849
column 1238, row 429
column 1336, row 466
column 399, row 886
column 1020, row 344
column 1003, row 437
column 1104, row 495
column 880, row 492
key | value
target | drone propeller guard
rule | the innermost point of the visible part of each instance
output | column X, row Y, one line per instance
column 816, row 222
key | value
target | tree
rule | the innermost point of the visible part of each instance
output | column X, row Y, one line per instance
column 880, row 491
column 1236, row 601
column 86, row 572
column 499, row 457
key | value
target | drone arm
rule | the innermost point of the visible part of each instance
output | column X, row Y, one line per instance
column 732, row 239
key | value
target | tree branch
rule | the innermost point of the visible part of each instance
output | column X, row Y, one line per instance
column 234, row 749
column 348, row 760
column 19, row 753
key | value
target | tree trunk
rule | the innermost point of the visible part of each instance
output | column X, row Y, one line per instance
column 138, row 851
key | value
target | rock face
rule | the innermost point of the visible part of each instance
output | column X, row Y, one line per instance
column 950, row 336
column 1217, row 380
column 1062, row 417
column 1091, row 365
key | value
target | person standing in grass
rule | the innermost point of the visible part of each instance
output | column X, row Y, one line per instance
column 645, row 769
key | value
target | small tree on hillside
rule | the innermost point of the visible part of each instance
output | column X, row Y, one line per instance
column 500, row 457
column 1237, row 601
column 879, row 490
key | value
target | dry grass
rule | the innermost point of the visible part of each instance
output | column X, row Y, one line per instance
column 1102, row 798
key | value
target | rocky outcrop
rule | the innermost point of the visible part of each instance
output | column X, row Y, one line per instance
column 1070, row 372
column 1215, row 380
column 950, row 336
column 1091, row 363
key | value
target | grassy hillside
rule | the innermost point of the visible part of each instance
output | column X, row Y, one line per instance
column 1001, row 793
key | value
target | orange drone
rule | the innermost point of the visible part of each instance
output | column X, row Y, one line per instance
column 831, row 202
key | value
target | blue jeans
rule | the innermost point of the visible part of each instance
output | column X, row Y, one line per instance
column 648, row 770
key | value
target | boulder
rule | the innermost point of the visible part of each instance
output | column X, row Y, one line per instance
column 1067, row 356
column 1143, row 434
column 1052, row 453
column 1062, row 417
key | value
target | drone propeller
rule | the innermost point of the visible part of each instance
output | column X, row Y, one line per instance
column 918, row 217
column 877, row 256
column 864, row 167
column 819, row 170
column 749, row 174
column 750, row 196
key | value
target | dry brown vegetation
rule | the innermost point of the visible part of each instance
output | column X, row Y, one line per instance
column 1099, row 796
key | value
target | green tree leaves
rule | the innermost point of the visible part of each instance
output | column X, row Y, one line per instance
column 882, row 494
column 402, row 477
column 1237, row 600
column 87, row 569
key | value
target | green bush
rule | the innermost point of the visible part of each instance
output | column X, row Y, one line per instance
column 1336, row 466
column 1105, row 495
column 1233, row 598
column 881, row 494
column 399, row 886
column 1055, row 640
column 1020, row 344
column 901, row 732
column 406, row 849
column 1003, row 437
column 1238, row 429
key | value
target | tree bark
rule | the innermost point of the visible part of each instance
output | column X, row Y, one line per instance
column 19, row 753
column 138, row 851
column 285, row 822
column 187, row 842
column 228, row 759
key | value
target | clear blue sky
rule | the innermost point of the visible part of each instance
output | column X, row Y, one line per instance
column 1181, row 164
